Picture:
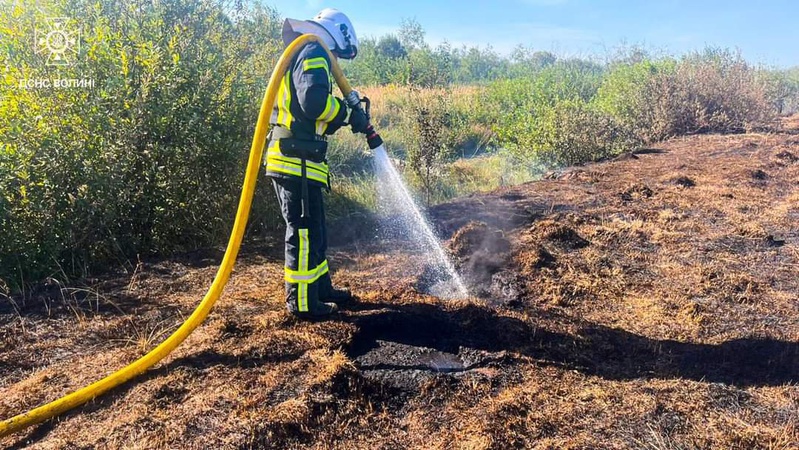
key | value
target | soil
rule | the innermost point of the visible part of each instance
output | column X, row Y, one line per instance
column 650, row 301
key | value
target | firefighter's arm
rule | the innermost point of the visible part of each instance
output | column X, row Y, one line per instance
column 312, row 81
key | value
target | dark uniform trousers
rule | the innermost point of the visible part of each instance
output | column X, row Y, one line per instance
column 307, row 277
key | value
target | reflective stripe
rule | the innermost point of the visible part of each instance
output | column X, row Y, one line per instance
column 284, row 116
column 302, row 266
column 302, row 291
column 281, row 100
column 321, row 127
column 277, row 162
column 280, row 158
column 315, row 63
column 289, row 117
column 294, row 169
column 295, row 163
column 331, row 110
column 308, row 276
column 290, row 170
column 275, row 154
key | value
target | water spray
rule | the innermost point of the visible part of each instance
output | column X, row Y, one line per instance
column 394, row 192
column 394, row 195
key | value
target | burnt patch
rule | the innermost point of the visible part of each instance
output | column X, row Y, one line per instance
column 559, row 235
column 684, row 181
column 480, row 252
column 787, row 157
column 436, row 280
column 412, row 343
column 408, row 346
column 169, row 393
column 477, row 237
column 502, row 212
column 649, row 151
column 627, row 156
column 636, row 192
column 232, row 328
column 775, row 240
column 536, row 258
column 512, row 196
column 506, row 288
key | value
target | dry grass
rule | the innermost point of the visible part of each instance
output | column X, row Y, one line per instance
column 655, row 314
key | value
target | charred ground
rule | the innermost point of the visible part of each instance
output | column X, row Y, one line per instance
column 646, row 302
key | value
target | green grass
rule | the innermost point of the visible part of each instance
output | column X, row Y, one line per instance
column 355, row 196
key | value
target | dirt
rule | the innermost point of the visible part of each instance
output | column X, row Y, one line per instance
column 685, row 182
column 787, row 157
column 637, row 191
column 649, row 301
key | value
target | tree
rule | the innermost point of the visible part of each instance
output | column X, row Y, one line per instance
column 389, row 46
column 411, row 34
column 478, row 65
column 528, row 60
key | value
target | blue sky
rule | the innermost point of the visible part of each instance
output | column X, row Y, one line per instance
column 765, row 31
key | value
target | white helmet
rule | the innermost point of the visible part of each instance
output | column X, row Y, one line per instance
column 340, row 34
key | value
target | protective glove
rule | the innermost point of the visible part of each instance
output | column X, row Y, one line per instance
column 358, row 120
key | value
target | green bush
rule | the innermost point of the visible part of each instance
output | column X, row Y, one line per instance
column 782, row 89
column 547, row 118
column 148, row 161
column 627, row 94
column 710, row 91
column 432, row 127
column 570, row 132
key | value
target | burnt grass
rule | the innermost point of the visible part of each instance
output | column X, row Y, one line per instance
column 648, row 301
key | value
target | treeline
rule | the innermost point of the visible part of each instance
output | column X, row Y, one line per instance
column 407, row 58
column 566, row 111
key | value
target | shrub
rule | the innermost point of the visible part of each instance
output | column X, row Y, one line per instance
column 713, row 91
column 570, row 132
column 710, row 91
column 626, row 94
column 782, row 89
column 432, row 127
column 547, row 117
column 148, row 161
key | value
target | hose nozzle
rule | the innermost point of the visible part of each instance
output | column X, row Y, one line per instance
column 353, row 99
column 372, row 138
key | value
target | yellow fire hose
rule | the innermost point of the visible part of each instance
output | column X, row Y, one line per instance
column 52, row 409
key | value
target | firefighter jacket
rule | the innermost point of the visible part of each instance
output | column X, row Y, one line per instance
column 306, row 110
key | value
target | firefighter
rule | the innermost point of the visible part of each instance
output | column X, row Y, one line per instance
column 305, row 113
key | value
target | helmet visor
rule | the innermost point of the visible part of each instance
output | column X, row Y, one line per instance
column 348, row 53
